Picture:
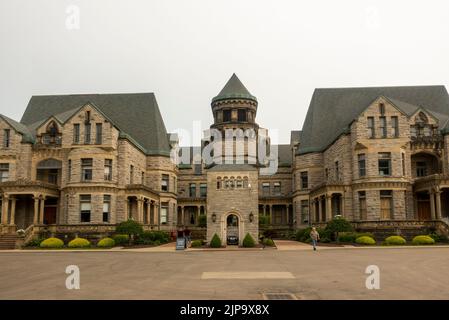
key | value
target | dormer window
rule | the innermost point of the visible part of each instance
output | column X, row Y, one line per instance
column 51, row 135
column 87, row 117
column 382, row 108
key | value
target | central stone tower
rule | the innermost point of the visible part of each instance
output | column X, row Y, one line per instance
column 232, row 183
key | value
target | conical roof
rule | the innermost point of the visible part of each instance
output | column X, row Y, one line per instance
column 233, row 89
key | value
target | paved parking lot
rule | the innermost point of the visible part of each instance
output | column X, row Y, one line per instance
column 405, row 273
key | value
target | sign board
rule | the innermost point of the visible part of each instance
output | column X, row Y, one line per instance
column 180, row 243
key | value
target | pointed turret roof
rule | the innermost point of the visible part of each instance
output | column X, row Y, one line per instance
column 234, row 88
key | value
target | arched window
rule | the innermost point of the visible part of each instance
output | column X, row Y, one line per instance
column 51, row 135
column 239, row 183
column 245, row 182
column 219, row 183
column 232, row 182
column 226, row 182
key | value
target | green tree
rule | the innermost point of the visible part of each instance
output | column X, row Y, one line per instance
column 130, row 227
column 248, row 241
column 215, row 242
column 338, row 224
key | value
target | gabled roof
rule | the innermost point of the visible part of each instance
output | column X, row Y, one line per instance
column 136, row 114
column 20, row 128
column 234, row 88
column 331, row 111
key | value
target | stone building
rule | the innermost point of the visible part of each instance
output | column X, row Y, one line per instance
column 79, row 164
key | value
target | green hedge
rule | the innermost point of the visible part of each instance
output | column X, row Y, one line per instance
column 365, row 240
column 395, row 241
column 79, row 243
column 248, row 241
column 52, row 243
column 197, row 243
column 106, row 243
column 215, row 242
column 264, row 220
column 268, row 242
column 152, row 238
column 120, row 239
column 423, row 240
column 350, row 237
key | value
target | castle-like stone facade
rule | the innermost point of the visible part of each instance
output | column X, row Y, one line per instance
column 79, row 163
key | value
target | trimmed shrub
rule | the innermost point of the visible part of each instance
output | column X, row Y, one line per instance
column 197, row 243
column 439, row 238
column 395, row 241
column 202, row 221
column 120, row 239
column 34, row 242
column 215, row 242
column 347, row 237
column 248, row 241
column 423, row 240
column 79, row 243
column 52, row 243
column 106, row 243
column 365, row 240
column 268, row 242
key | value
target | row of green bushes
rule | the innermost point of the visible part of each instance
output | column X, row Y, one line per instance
column 56, row 243
column 248, row 242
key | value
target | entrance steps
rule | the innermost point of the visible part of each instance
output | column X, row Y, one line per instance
column 8, row 241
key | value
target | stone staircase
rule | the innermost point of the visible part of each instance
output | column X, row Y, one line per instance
column 8, row 241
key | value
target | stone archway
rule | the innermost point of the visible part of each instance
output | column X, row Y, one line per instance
column 236, row 222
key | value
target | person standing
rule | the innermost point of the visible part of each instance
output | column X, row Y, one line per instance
column 315, row 236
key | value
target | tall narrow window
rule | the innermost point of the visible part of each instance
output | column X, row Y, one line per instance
column 85, row 208
column 69, row 171
column 337, row 171
column 86, row 169
column 385, row 164
column 304, row 211
column 421, row 169
column 383, row 127
column 381, row 108
column 395, row 126
column 106, row 207
column 99, row 133
column 277, row 188
column 7, row 138
column 76, row 133
column 4, row 172
column 87, row 129
column 164, row 213
column 403, row 163
column 192, row 190
column 266, row 188
column 304, row 180
column 131, row 174
column 362, row 165
column 165, row 182
column 143, row 177
column 386, row 204
column 203, row 190
column 413, row 131
column 108, row 169
column 371, row 131
column 362, row 205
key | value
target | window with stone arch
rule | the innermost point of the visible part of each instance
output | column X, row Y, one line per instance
column 239, row 183
column 245, row 182
column 51, row 135
column 232, row 182
column 226, row 182
column 219, row 182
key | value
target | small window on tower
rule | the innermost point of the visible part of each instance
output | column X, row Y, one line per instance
column 242, row 115
column 226, row 115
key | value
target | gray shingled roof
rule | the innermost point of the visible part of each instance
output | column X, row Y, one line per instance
column 137, row 115
column 20, row 128
column 232, row 167
column 331, row 111
column 234, row 88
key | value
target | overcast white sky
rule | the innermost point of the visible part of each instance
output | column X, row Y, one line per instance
column 185, row 50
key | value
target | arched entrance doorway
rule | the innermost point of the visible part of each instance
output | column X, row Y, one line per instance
column 232, row 230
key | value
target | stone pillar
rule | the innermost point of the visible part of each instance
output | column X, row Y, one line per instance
column 320, row 210
column 342, row 201
column 36, row 210
column 288, row 219
column 183, row 216
column 149, row 211
column 198, row 211
column 438, row 204
column 157, row 218
column 41, row 213
column 13, row 211
column 140, row 210
column 328, row 207
column 432, row 205
column 5, row 209
column 126, row 205
column 271, row 214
